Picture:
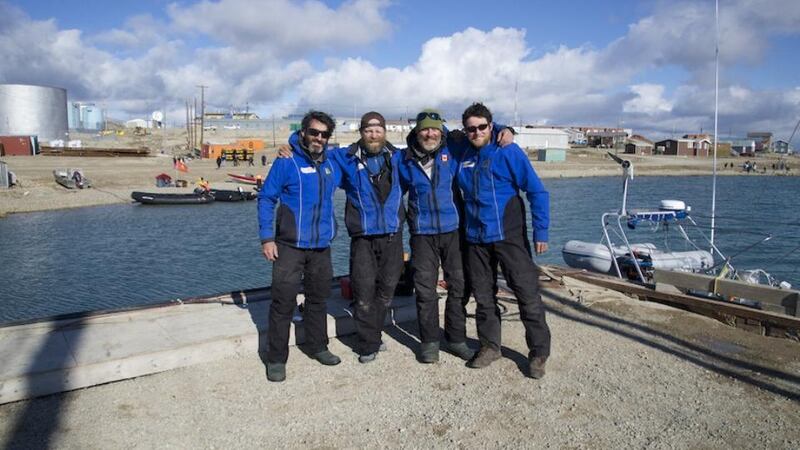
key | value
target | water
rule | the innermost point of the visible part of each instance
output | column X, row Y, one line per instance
column 117, row 256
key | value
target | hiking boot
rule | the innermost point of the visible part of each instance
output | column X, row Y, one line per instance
column 276, row 372
column 363, row 359
column 461, row 349
column 536, row 367
column 484, row 357
column 326, row 358
column 429, row 352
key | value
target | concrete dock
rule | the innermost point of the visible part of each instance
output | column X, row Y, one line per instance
column 54, row 356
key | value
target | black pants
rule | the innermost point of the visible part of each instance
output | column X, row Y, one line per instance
column 375, row 266
column 514, row 255
column 312, row 268
column 427, row 252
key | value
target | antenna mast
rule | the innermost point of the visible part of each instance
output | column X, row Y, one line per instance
column 716, row 119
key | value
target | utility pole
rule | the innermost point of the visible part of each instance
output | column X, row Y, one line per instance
column 194, row 125
column 273, row 130
column 188, row 126
column 516, row 117
column 202, row 113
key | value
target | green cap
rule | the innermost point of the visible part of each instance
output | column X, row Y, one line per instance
column 429, row 118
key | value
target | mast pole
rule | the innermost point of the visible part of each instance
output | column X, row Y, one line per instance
column 716, row 121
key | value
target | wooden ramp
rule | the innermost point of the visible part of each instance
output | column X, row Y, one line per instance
column 779, row 318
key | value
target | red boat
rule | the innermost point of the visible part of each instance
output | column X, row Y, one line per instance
column 246, row 179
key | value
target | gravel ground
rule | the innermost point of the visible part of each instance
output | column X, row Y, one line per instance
column 623, row 374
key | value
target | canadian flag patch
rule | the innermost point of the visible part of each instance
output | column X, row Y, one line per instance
column 444, row 158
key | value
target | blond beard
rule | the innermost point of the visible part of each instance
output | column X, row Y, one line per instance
column 374, row 147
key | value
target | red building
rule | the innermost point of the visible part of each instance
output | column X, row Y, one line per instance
column 18, row 145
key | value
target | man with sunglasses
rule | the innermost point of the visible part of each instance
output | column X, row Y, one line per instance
column 427, row 174
column 490, row 181
column 299, row 243
column 374, row 215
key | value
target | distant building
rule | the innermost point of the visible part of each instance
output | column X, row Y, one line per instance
column 743, row 147
column 604, row 137
column 780, row 146
column 639, row 145
column 705, row 136
column 84, row 116
column 762, row 139
column 541, row 138
column 683, row 147
column 551, row 155
column 576, row 137
column 232, row 116
column 396, row 126
column 133, row 123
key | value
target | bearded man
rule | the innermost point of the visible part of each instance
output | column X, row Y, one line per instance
column 490, row 181
column 298, row 243
column 374, row 215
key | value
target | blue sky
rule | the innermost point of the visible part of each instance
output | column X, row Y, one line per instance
column 645, row 64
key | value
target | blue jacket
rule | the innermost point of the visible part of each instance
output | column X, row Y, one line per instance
column 305, row 190
column 431, row 201
column 432, row 206
column 490, row 180
column 365, row 214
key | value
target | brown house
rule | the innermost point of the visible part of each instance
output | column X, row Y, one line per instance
column 683, row 147
column 639, row 145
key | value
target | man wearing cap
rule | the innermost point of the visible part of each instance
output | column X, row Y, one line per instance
column 427, row 174
column 298, row 243
column 427, row 171
column 374, row 216
column 490, row 181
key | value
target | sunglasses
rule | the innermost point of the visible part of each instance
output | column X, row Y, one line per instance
column 481, row 127
column 433, row 115
column 313, row 132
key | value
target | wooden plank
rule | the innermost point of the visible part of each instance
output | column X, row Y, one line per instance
column 697, row 304
column 771, row 298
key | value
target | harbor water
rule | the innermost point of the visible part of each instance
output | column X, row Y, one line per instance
column 119, row 256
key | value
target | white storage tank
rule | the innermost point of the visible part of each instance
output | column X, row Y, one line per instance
column 27, row 110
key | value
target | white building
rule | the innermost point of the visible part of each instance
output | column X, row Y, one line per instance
column 541, row 138
column 141, row 123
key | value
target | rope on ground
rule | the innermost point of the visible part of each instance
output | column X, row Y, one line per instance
column 587, row 293
column 125, row 199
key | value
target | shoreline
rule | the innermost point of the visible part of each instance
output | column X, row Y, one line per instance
column 114, row 178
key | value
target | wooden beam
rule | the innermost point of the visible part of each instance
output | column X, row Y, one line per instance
column 771, row 299
column 703, row 306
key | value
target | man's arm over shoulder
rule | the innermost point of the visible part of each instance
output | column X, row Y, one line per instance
column 338, row 158
column 528, row 181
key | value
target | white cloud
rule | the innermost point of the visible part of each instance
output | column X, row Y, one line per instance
column 649, row 100
column 284, row 26
column 453, row 71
